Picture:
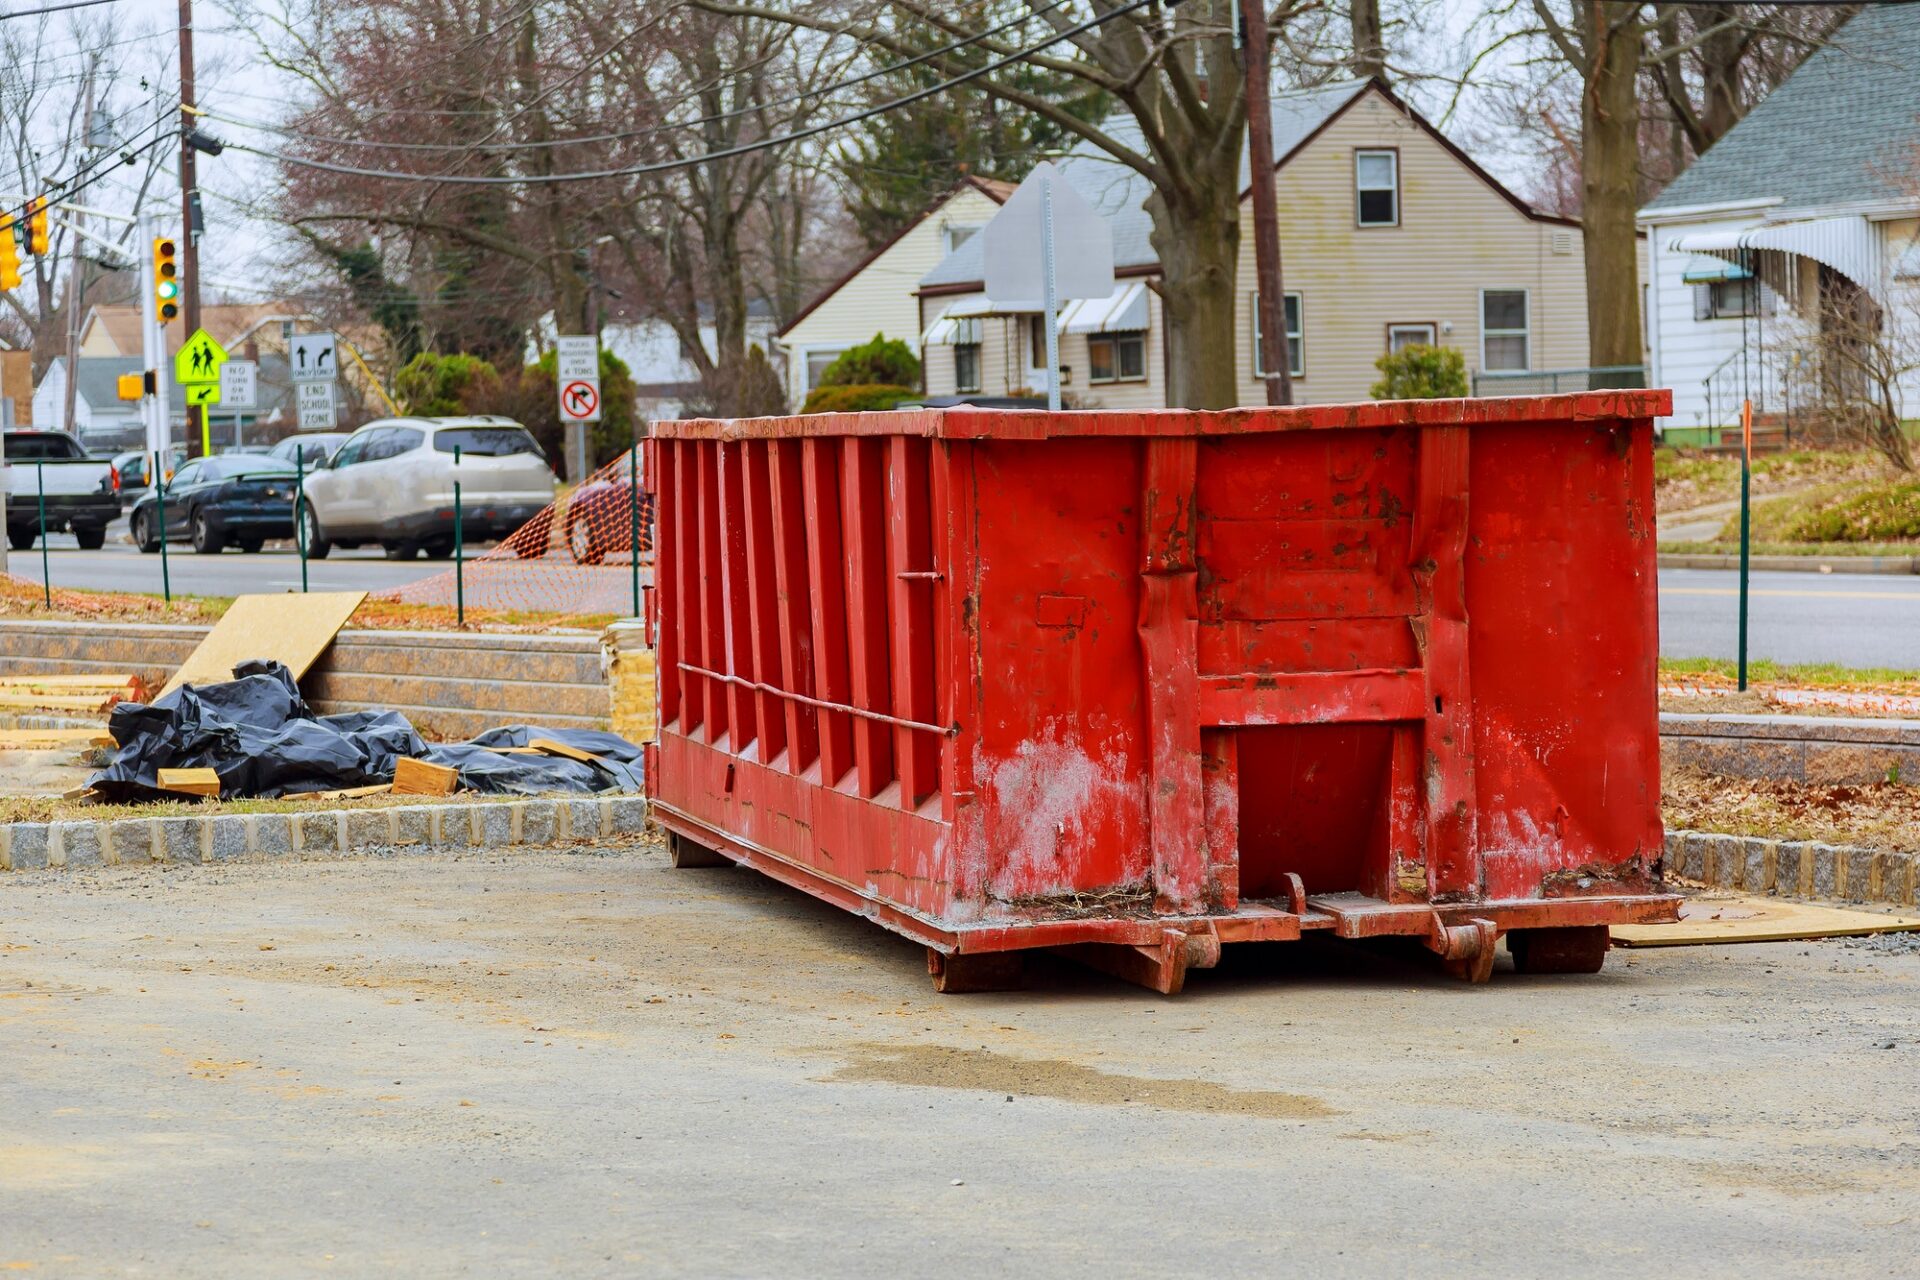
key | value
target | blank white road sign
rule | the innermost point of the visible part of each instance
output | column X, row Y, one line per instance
column 1082, row 245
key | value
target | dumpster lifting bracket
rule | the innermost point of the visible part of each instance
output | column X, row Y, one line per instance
column 1160, row 966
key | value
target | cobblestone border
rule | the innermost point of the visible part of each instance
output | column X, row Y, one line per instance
column 1794, row 868
column 320, row 833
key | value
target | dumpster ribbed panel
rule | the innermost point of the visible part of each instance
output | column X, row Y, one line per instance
column 796, row 578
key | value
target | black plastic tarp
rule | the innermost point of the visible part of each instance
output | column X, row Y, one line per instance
column 258, row 734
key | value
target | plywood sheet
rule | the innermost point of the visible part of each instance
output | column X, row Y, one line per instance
column 52, row 739
column 1709, row 921
column 294, row 628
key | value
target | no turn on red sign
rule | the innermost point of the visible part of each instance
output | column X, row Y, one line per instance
column 577, row 365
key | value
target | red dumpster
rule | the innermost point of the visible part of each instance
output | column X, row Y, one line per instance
column 1141, row 684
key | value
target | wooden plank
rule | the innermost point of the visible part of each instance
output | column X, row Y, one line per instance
column 190, row 782
column 52, row 739
column 93, row 703
column 111, row 683
column 419, row 778
column 548, row 746
column 348, row 793
column 292, row 628
column 1705, row 922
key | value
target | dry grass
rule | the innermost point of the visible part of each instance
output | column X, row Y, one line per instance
column 1684, row 478
column 55, row 809
column 22, row 599
column 1885, row 815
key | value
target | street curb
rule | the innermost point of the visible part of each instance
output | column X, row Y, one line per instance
column 1794, row 868
column 205, row 839
column 1890, row 565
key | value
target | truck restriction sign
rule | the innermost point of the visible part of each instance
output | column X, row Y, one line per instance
column 580, row 401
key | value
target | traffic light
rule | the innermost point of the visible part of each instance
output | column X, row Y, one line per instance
column 9, row 254
column 37, row 225
column 166, row 278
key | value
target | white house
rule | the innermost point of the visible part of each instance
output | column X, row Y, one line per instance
column 877, row 294
column 1391, row 235
column 664, row 377
column 1806, row 211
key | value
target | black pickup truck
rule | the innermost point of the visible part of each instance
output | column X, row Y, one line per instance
column 79, row 489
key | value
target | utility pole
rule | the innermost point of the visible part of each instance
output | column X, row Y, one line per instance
column 189, row 196
column 76, row 284
column 1275, row 360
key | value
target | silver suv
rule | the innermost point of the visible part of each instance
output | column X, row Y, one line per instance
column 392, row 483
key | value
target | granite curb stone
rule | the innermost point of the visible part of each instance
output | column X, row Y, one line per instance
column 1795, row 868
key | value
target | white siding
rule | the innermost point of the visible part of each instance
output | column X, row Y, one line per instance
column 879, row 298
column 1004, row 365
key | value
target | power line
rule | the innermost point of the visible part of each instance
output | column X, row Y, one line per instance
column 53, row 8
column 662, row 166
column 849, row 83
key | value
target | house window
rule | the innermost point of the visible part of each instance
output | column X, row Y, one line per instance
column 966, row 366
column 1376, row 180
column 1296, row 338
column 1117, row 357
column 1402, row 336
column 957, row 235
column 818, row 358
column 1505, row 342
column 1731, row 299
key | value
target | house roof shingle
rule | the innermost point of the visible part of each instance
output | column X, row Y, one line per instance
column 1839, row 131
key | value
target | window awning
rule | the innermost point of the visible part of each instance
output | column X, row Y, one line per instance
column 1702, row 269
column 951, row 330
column 1846, row 244
column 1122, row 311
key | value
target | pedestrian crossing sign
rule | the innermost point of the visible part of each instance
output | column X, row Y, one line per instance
column 199, row 360
column 203, row 393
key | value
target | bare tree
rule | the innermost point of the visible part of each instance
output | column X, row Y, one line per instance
column 1177, row 76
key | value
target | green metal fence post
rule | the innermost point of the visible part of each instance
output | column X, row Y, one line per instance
column 634, row 503
column 1746, row 526
column 459, row 547
column 159, row 478
column 46, row 571
column 299, row 510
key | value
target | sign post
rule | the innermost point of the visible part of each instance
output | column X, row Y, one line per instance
column 577, row 380
column 239, row 392
column 1047, row 245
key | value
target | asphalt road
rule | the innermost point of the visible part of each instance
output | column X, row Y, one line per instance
column 584, row 1065
column 1856, row 620
column 553, row 583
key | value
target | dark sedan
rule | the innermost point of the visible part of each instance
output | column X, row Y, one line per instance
column 238, row 498
column 599, row 521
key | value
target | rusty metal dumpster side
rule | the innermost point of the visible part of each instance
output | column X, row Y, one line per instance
column 1013, row 679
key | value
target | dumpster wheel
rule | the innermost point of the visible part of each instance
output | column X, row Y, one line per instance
column 1576, row 949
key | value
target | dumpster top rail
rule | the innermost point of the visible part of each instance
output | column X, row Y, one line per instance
column 1038, row 424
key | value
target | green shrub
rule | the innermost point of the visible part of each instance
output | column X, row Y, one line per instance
column 881, row 362
column 1884, row 513
column 854, row 399
column 437, row 386
column 1420, row 372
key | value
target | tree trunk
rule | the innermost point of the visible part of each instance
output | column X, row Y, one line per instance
column 1199, row 250
column 1369, row 58
column 1609, row 182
